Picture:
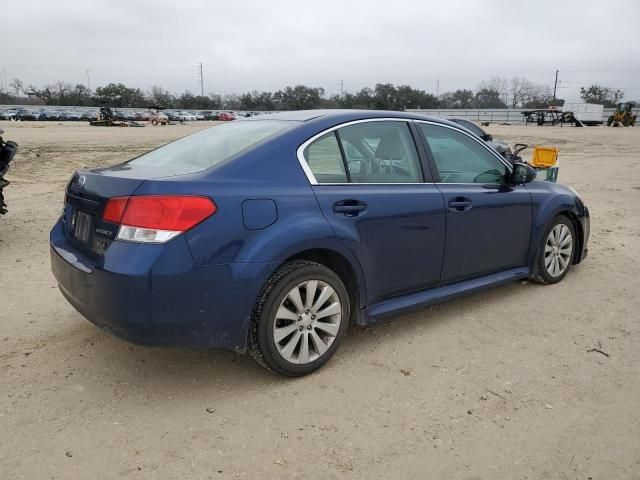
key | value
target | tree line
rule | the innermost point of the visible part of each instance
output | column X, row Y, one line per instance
column 497, row 92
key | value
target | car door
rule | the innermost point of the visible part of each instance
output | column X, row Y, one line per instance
column 488, row 220
column 369, row 182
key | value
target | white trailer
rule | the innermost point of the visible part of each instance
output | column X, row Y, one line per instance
column 587, row 113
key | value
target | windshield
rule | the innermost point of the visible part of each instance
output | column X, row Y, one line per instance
column 210, row 147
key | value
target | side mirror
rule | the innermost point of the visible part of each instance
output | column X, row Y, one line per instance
column 522, row 173
column 488, row 137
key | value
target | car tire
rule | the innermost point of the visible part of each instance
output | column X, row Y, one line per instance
column 284, row 333
column 556, row 251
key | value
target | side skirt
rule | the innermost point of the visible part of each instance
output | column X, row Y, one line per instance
column 418, row 300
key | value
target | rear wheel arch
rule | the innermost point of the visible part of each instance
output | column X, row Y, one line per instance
column 342, row 267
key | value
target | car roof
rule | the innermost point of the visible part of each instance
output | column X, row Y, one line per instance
column 343, row 115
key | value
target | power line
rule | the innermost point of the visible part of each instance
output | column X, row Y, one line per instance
column 616, row 88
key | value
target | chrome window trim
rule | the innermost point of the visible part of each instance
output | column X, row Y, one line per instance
column 312, row 178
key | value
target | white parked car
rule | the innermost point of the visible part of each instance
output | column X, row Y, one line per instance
column 187, row 117
column 8, row 114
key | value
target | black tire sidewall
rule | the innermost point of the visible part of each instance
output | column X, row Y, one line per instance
column 266, row 317
column 542, row 270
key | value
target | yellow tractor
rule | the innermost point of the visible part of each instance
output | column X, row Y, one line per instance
column 623, row 116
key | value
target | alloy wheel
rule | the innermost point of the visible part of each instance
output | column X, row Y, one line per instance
column 307, row 322
column 558, row 250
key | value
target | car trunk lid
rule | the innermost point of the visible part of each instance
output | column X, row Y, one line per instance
column 86, row 196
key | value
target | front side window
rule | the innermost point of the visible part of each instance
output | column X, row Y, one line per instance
column 472, row 127
column 461, row 159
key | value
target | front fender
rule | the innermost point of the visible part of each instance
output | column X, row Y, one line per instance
column 549, row 201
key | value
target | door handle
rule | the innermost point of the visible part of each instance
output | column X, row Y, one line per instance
column 460, row 204
column 350, row 208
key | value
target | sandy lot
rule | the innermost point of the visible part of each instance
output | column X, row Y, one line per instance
column 499, row 385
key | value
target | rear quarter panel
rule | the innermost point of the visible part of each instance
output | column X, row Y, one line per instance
column 271, row 172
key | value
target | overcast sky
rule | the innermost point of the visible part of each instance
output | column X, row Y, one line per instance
column 268, row 44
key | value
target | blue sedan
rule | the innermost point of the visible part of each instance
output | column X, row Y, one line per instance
column 271, row 235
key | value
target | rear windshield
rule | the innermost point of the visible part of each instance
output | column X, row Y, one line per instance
column 210, row 147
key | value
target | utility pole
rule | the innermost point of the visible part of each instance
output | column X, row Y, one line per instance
column 201, row 79
column 437, row 82
column 341, row 84
column 88, row 79
column 555, row 87
column 6, row 85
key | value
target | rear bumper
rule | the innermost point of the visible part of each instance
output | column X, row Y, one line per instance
column 156, row 295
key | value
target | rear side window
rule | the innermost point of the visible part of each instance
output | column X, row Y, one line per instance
column 380, row 152
column 368, row 152
column 325, row 160
column 210, row 147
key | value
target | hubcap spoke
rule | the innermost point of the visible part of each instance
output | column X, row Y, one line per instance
column 312, row 286
column 330, row 328
column 564, row 231
column 283, row 332
column 294, row 296
column 304, row 349
column 286, row 314
column 547, row 261
column 332, row 309
column 563, row 262
column 325, row 293
column 321, row 347
column 287, row 351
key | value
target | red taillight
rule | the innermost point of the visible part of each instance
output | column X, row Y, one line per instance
column 176, row 213
column 114, row 209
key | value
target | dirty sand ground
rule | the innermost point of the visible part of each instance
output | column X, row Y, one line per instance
column 498, row 385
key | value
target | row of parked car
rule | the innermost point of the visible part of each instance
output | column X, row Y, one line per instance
column 42, row 114
column 206, row 115
column 91, row 115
